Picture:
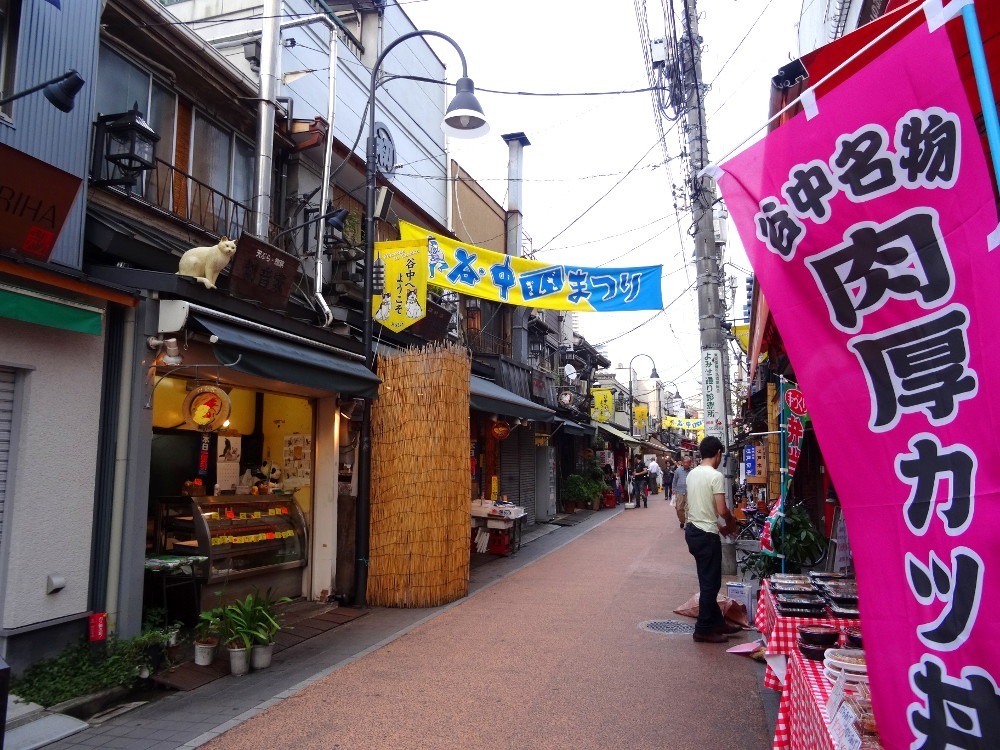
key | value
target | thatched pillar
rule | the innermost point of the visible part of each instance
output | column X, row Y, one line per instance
column 420, row 479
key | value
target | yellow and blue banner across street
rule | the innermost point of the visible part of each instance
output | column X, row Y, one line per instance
column 478, row 272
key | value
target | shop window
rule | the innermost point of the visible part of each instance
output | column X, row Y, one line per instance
column 10, row 21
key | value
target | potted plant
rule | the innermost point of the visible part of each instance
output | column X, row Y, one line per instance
column 235, row 630
column 206, row 636
column 798, row 540
column 266, row 627
column 576, row 491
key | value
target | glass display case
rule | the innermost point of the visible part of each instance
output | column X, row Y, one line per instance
column 240, row 535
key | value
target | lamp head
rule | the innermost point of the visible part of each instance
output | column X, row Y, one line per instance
column 464, row 117
column 654, row 374
column 62, row 93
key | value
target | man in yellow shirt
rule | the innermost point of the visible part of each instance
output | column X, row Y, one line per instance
column 706, row 504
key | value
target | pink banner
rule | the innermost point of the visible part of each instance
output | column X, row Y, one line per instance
column 867, row 226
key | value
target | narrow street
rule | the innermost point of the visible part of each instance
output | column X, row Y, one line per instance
column 553, row 656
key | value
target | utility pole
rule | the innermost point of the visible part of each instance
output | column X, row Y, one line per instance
column 714, row 352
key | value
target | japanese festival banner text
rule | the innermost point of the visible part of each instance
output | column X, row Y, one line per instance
column 478, row 272
column 867, row 227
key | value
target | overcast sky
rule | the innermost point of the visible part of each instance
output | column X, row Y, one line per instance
column 597, row 189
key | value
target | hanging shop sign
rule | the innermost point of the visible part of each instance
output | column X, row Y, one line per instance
column 263, row 273
column 35, row 199
column 206, row 407
column 754, row 466
column 403, row 301
column 500, row 430
column 871, row 226
column 603, row 409
column 640, row 417
column 478, row 272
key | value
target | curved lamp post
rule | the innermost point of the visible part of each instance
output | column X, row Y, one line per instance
column 464, row 118
column 631, row 410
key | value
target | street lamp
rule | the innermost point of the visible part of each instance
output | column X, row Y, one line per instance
column 631, row 409
column 464, row 118
column 60, row 91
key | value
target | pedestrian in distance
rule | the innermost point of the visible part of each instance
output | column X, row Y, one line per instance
column 654, row 476
column 706, row 496
column 639, row 475
column 679, row 488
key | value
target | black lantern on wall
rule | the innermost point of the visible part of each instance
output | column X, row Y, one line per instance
column 126, row 141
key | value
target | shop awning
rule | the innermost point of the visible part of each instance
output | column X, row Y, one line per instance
column 617, row 433
column 269, row 356
column 573, row 428
column 656, row 445
column 489, row 397
column 31, row 306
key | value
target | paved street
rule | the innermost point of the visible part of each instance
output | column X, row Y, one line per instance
column 551, row 657
column 548, row 651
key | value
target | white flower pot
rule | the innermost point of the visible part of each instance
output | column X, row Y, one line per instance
column 239, row 661
column 260, row 655
column 204, row 653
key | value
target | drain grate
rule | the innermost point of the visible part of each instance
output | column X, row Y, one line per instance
column 672, row 627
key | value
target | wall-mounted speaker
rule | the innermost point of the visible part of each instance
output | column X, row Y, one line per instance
column 383, row 199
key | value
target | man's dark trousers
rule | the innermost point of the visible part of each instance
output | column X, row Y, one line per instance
column 706, row 549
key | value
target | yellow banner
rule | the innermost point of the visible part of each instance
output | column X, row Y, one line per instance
column 640, row 416
column 478, row 272
column 603, row 409
column 742, row 334
column 404, row 299
column 680, row 423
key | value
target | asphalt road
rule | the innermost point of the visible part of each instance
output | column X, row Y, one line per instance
column 553, row 656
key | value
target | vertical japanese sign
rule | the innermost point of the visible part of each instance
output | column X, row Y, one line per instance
column 403, row 301
column 715, row 406
column 868, row 226
column 604, row 404
column 794, row 417
column 640, row 417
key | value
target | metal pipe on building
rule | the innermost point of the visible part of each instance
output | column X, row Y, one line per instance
column 266, row 105
column 515, row 233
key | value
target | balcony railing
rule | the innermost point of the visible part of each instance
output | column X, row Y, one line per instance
column 487, row 343
column 178, row 194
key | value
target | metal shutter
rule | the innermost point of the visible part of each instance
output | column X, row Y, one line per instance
column 6, row 423
column 528, row 469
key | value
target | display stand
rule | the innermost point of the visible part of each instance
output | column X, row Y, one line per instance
column 496, row 528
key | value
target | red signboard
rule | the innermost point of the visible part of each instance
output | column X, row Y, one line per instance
column 99, row 626
column 35, row 199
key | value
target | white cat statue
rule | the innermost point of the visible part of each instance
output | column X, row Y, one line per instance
column 206, row 263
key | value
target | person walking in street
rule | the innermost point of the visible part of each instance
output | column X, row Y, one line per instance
column 679, row 487
column 706, row 496
column 654, row 476
column 639, row 475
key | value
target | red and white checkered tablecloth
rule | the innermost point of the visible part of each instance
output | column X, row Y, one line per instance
column 802, row 721
column 782, row 634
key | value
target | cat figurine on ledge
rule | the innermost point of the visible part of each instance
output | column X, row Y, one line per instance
column 206, row 263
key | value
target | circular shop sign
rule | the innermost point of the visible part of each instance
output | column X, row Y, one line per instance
column 207, row 407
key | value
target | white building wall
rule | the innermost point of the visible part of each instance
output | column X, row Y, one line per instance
column 48, row 509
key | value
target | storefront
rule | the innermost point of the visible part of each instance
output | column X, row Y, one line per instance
column 243, row 428
column 505, row 457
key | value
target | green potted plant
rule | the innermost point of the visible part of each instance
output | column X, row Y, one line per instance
column 206, row 636
column 266, row 622
column 798, row 540
column 236, row 632
column 576, row 491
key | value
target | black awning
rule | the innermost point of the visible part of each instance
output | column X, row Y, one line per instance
column 268, row 356
column 573, row 428
column 489, row 397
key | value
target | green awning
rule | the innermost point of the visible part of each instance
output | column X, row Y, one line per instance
column 43, row 309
